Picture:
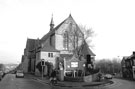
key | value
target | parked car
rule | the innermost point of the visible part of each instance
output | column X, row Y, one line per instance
column 108, row 76
column 19, row 74
column 1, row 75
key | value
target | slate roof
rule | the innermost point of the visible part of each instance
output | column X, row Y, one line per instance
column 66, row 55
column 47, row 47
column 30, row 45
column 44, row 38
column 86, row 50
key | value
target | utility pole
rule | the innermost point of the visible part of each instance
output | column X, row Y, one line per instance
column 42, row 64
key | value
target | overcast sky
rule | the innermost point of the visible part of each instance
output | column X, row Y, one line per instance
column 112, row 20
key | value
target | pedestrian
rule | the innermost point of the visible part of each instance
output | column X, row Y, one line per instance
column 99, row 77
column 53, row 77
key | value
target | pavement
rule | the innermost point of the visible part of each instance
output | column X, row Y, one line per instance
column 69, row 84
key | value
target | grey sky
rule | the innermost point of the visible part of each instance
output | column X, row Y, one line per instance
column 112, row 20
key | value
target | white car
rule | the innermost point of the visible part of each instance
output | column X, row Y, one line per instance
column 19, row 74
column 108, row 76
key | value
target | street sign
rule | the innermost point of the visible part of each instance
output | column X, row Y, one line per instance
column 42, row 62
column 133, row 66
column 74, row 64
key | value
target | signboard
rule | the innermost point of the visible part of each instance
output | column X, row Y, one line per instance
column 42, row 62
column 74, row 64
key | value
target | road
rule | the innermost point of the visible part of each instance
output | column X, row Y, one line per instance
column 10, row 82
column 121, row 84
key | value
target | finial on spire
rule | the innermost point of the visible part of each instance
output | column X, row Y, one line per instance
column 51, row 23
column 52, row 20
column 70, row 15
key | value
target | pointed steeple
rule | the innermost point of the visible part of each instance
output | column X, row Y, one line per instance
column 70, row 16
column 51, row 24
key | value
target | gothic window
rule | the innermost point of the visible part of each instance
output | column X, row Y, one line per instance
column 65, row 40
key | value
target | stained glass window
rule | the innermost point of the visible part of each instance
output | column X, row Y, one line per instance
column 65, row 40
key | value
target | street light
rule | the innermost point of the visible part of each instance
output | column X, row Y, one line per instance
column 42, row 64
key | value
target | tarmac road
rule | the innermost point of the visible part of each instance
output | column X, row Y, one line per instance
column 121, row 84
column 11, row 82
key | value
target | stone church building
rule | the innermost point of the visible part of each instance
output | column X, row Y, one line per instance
column 63, row 47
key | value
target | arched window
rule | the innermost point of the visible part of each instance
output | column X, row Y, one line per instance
column 65, row 40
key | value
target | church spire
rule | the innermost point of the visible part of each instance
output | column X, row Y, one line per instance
column 51, row 24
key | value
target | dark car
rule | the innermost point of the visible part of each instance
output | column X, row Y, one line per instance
column 1, row 75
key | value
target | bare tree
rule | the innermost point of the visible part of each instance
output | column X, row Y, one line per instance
column 109, row 66
column 88, row 34
column 76, row 36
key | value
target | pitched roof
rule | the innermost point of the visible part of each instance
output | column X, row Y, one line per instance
column 51, row 32
column 47, row 47
column 30, row 45
column 66, row 55
column 86, row 50
column 44, row 38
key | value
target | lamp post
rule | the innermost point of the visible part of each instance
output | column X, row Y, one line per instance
column 42, row 64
